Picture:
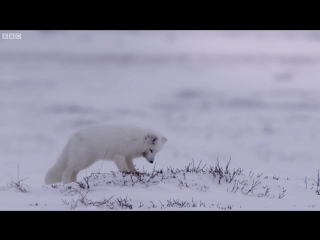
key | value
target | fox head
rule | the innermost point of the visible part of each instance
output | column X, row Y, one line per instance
column 153, row 144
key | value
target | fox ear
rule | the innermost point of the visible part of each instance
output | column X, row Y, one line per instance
column 164, row 140
column 152, row 138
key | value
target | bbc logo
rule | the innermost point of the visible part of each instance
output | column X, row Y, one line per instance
column 11, row 35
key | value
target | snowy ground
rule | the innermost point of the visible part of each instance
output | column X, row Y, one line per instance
column 249, row 96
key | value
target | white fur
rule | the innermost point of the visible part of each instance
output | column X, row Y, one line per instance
column 120, row 143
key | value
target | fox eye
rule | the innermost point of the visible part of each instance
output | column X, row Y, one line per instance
column 151, row 151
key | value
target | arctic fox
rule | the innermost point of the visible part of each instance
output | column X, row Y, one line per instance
column 120, row 143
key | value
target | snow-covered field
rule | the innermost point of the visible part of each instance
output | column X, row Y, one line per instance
column 249, row 96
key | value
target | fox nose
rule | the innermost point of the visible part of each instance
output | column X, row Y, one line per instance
column 151, row 161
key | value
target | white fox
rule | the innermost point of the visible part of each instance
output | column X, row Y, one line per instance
column 120, row 143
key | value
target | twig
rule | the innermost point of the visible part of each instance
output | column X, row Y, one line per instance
column 103, row 160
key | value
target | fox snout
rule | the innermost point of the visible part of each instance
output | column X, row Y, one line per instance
column 150, row 160
column 147, row 156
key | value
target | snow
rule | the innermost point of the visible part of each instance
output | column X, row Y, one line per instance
column 249, row 96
